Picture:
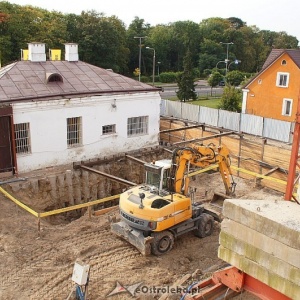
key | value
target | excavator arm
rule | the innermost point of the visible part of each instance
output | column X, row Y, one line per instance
column 199, row 156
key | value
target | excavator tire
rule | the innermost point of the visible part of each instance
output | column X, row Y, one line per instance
column 205, row 226
column 162, row 242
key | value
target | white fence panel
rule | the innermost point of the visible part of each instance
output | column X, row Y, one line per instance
column 277, row 130
column 173, row 109
column 208, row 116
column 252, row 124
column 163, row 104
column 229, row 120
column 190, row 112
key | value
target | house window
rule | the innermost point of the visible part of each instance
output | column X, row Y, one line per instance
column 74, row 132
column 137, row 126
column 108, row 129
column 283, row 62
column 287, row 107
column 22, row 138
column 282, row 79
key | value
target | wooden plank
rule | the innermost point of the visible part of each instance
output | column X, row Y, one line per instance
column 175, row 285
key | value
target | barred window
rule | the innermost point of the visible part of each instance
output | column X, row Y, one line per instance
column 137, row 126
column 74, row 132
column 22, row 138
column 108, row 129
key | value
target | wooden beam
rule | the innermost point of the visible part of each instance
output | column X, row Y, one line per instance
column 205, row 138
column 182, row 128
column 139, row 161
column 112, row 177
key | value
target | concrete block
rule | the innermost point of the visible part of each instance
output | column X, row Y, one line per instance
column 259, row 240
column 279, row 220
column 264, row 259
column 257, row 271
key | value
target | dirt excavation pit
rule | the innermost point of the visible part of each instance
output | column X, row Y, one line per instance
column 39, row 265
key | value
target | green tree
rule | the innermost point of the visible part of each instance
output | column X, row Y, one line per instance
column 137, row 28
column 214, row 80
column 185, row 81
column 231, row 99
column 103, row 41
column 234, row 78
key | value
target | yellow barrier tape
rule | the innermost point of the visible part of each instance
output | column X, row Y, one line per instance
column 78, row 206
column 9, row 196
column 91, row 203
column 203, row 170
column 259, row 175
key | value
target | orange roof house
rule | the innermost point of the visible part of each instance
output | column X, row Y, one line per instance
column 274, row 92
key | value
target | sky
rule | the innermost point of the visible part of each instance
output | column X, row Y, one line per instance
column 270, row 15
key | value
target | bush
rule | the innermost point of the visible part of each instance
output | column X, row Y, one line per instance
column 168, row 77
column 145, row 79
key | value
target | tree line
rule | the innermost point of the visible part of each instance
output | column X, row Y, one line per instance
column 106, row 41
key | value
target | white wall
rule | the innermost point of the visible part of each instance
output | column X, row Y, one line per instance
column 48, row 127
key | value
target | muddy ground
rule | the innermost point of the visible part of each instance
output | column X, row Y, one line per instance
column 40, row 265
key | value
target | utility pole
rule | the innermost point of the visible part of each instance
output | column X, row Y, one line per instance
column 226, row 60
column 140, row 53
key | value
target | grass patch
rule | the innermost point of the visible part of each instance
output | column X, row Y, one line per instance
column 212, row 103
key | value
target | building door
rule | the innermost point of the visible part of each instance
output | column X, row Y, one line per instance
column 6, row 149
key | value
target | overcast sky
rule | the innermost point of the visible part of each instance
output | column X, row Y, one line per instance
column 270, row 15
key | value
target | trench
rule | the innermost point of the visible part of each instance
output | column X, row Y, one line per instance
column 64, row 187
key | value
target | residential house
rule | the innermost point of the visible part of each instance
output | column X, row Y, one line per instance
column 55, row 112
column 274, row 91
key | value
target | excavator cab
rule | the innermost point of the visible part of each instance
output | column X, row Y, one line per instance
column 158, row 174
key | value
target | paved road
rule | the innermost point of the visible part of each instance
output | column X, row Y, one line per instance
column 201, row 90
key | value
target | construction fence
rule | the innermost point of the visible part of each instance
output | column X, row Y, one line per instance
column 245, row 123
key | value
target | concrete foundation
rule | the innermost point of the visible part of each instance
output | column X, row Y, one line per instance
column 262, row 238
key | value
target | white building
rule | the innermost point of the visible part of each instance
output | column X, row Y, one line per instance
column 55, row 112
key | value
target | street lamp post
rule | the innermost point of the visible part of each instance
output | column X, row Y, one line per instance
column 153, row 67
column 226, row 60
column 221, row 61
column 140, row 53
column 158, row 63
column 236, row 62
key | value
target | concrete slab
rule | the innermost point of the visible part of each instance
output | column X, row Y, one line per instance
column 260, row 241
column 264, row 259
column 257, row 271
column 279, row 220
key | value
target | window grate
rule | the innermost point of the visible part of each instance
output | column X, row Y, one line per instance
column 137, row 126
column 74, row 132
column 108, row 129
column 22, row 138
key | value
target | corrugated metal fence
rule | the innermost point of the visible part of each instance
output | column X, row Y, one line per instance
column 250, row 124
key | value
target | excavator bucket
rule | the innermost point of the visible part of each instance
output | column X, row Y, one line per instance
column 133, row 236
column 218, row 199
column 215, row 206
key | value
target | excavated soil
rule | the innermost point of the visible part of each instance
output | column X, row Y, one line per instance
column 39, row 265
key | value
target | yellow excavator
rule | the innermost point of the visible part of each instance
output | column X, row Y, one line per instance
column 153, row 214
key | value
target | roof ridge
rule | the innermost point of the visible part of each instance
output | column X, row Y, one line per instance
column 7, row 68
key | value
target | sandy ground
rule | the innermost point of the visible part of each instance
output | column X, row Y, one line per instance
column 40, row 265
